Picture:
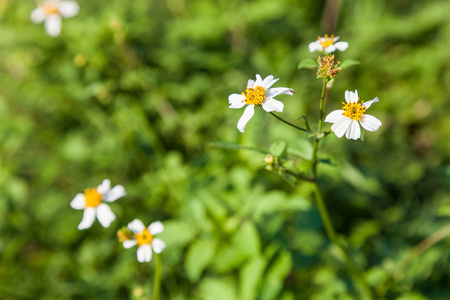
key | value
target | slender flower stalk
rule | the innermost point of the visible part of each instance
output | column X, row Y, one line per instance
column 157, row 282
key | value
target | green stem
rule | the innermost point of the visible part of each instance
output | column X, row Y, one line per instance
column 322, row 97
column 289, row 123
column 353, row 269
column 157, row 283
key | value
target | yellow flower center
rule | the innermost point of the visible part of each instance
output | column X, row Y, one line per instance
column 93, row 198
column 49, row 8
column 353, row 110
column 328, row 40
column 143, row 238
column 255, row 95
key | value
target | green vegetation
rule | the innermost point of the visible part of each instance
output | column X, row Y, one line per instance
column 136, row 91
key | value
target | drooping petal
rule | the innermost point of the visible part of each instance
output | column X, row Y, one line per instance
column 272, row 105
column 334, row 116
column 341, row 46
column 105, row 215
column 369, row 103
column 236, row 100
column 79, row 202
column 246, row 116
column 155, row 228
column 278, row 91
column 353, row 131
column 268, row 82
column 129, row 243
column 88, row 218
column 158, row 245
column 136, row 226
column 341, row 126
column 38, row 15
column 115, row 193
column 104, row 187
column 370, row 123
column 53, row 25
column 330, row 49
column 144, row 253
column 315, row 46
column 68, row 8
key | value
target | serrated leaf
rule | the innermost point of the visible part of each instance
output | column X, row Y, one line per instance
column 198, row 257
column 307, row 63
column 348, row 63
column 278, row 148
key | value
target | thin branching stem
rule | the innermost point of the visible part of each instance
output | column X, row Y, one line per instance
column 289, row 123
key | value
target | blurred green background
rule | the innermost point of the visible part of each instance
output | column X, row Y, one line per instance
column 135, row 91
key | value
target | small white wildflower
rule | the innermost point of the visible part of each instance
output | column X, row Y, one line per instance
column 92, row 202
column 144, row 237
column 327, row 44
column 346, row 119
column 52, row 11
column 260, row 94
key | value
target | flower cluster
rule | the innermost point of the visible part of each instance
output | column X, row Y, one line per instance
column 328, row 67
column 327, row 44
column 92, row 201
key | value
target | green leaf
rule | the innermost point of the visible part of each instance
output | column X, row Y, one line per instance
column 273, row 283
column 278, row 148
column 218, row 289
column 307, row 63
column 198, row 257
column 250, row 275
column 348, row 63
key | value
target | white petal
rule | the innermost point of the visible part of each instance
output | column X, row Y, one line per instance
column 353, row 96
column 105, row 215
column 353, row 131
column 53, row 25
column 88, row 218
column 347, row 96
column 136, row 226
column 115, row 193
column 79, row 202
column 330, row 49
column 250, row 82
column 334, row 116
column 258, row 80
column 155, row 228
column 38, row 15
column 278, row 91
column 236, row 100
column 315, row 46
column 340, row 127
column 336, row 38
column 104, row 187
column 158, row 245
column 369, row 103
column 144, row 253
column 129, row 243
column 268, row 82
column 370, row 123
column 272, row 105
column 68, row 8
column 341, row 46
column 246, row 116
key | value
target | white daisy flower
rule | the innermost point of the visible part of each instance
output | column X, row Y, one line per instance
column 260, row 94
column 327, row 44
column 52, row 11
column 92, row 202
column 144, row 237
column 346, row 119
